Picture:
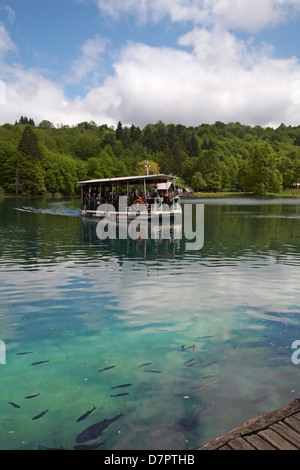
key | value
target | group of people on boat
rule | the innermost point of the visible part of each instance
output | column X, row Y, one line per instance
column 91, row 199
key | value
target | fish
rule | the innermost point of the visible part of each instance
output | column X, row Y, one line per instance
column 96, row 430
column 209, row 364
column 201, row 337
column 14, row 404
column 153, row 371
column 121, row 386
column 40, row 447
column 85, row 415
column 189, row 347
column 201, row 387
column 22, row 353
column 120, row 395
column 260, row 399
column 145, row 364
column 40, row 362
column 210, row 376
column 189, row 424
column 189, row 361
column 40, row 415
column 194, row 363
column 106, row 368
column 88, row 446
column 32, row 396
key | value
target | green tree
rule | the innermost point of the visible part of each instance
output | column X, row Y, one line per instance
column 119, row 131
column 198, row 182
column 29, row 144
column 262, row 174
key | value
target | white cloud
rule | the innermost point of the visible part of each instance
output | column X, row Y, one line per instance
column 211, row 75
column 248, row 15
column 221, row 79
column 6, row 44
column 10, row 12
column 89, row 60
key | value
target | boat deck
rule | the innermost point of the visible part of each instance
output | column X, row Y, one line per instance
column 278, row 430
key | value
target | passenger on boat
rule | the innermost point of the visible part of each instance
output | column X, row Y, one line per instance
column 153, row 194
column 176, row 196
column 137, row 191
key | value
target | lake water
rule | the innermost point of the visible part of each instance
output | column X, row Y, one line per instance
column 199, row 340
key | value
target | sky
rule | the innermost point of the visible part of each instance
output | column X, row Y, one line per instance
column 142, row 61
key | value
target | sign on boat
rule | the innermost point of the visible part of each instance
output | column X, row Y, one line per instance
column 130, row 196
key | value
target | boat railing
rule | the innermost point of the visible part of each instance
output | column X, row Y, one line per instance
column 151, row 204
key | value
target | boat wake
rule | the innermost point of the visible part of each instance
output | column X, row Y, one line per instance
column 58, row 211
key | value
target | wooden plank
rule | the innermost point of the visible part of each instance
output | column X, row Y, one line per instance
column 225, row 448
column 297, row 416
column 259, row 443
column 287, row 433
column 293, row 423
column 255, row 425
column 276, row 440
column 240, row 444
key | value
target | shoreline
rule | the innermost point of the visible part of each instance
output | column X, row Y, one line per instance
column 289, row 193
column 295, row 193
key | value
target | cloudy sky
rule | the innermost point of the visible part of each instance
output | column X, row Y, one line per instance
column 140, row 61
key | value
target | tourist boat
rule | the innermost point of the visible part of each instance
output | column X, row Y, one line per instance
column 129, row 196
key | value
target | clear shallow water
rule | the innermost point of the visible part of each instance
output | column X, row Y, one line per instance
column 84, row 304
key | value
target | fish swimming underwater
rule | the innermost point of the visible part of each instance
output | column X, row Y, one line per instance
column 189, row 347
column 40, row 447
column 120, row 395
column 32, row 396
column 14, row 404
column 40, row 415
column 121, row 386
column 96, row 430
column 191, row 423
column 39, row 362
column 89, row 446
column 106, row 368
column 85, row 415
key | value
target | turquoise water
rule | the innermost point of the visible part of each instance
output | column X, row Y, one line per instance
column 131, row 308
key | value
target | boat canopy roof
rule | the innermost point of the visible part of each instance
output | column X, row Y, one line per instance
column 154, row 179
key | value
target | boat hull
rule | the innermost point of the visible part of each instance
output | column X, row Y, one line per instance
column 130, row 215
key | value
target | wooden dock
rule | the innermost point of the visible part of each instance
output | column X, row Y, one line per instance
column 278, row 430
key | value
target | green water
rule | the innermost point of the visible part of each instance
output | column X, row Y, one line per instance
column 84, row 304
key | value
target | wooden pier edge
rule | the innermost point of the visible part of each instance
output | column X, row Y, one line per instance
column 242, row 435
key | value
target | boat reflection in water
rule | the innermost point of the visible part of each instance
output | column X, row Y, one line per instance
column 179, row 232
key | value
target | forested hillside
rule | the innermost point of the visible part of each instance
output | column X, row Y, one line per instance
column 40, row 159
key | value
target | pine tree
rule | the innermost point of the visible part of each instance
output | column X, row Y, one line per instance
column 29, row 144
column 119, row 131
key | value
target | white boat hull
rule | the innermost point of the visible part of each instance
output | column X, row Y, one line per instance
column 131, row 214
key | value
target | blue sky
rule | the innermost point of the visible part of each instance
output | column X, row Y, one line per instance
column 141, row 61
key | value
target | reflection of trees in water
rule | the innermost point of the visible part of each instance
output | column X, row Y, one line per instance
column 237, row 230
column 230, row 231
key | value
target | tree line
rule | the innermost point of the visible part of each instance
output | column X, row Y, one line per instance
column 41, row 159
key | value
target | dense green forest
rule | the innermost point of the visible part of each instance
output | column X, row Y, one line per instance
column 44, row 159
